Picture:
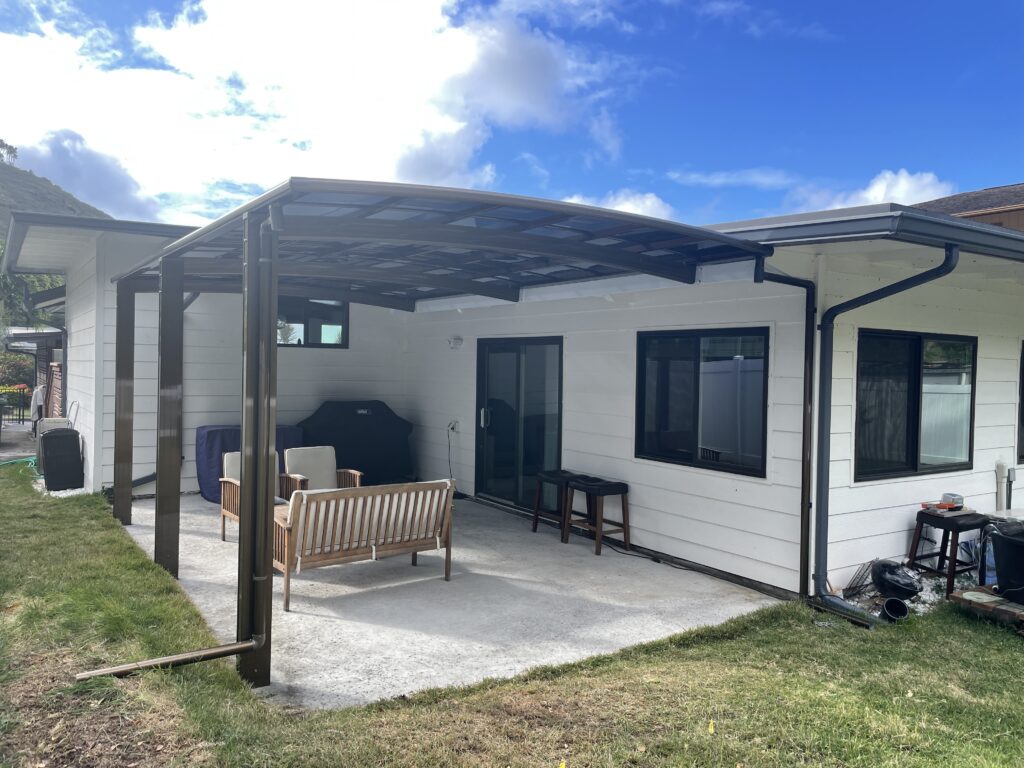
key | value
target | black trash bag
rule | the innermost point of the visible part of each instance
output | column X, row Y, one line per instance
column 1008, row 545
column 894, row 579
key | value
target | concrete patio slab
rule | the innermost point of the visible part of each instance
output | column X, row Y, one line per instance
column 16, row 441
column 362, row 632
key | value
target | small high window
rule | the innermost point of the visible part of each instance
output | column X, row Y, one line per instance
column 312, row 323
column 915, row 404
column 702, row 398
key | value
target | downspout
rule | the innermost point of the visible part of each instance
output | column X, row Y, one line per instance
column 807, row 443
column 824, row 598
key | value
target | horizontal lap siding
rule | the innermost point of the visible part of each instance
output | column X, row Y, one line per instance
column 876, row 518
column 746, row 526
column 80, row 360
column 212, row 374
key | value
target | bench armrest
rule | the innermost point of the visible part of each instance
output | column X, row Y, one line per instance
column 283, row 542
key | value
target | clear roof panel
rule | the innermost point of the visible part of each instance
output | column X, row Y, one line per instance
column 400, row 240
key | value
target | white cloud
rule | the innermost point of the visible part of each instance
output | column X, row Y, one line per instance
column 573, row 13
column 628, row 201
column 63, row 158
column 900, row 186
column 606, row 134
column 536, row 167
column 759, row 178
column 760, row 22
column 249, row 95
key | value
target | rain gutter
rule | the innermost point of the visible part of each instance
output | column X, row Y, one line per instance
column 824, row 598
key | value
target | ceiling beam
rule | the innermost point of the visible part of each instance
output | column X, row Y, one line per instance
column 314, row 228
column 148, row 284
column 49, row 297
column 395, row 276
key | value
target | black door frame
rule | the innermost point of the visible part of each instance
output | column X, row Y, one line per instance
column 481, row 372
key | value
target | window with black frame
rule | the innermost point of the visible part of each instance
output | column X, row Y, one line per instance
column 915, row 403
column 702, row 398
column 312, row 323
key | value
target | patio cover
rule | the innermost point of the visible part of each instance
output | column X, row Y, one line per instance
column 394, row 244
column 383, row 244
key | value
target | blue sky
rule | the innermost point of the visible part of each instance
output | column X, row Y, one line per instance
column 700, row 110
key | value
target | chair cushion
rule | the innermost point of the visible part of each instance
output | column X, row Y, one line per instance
column 559, row 477
column 597, row 486
column 315, row 463
column 233, row 465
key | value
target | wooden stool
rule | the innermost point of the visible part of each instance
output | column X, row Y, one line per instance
column 560, row 479
column 596, row 489
column 949, row 564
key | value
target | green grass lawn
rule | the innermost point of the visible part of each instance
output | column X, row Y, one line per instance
column 785, row 686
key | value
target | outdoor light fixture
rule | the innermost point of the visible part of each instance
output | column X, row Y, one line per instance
column 455, row 342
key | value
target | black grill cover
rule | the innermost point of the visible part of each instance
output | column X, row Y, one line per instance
column 366, row 435
column 62, row 459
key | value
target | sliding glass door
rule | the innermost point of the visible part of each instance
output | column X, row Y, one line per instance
column 519, row 415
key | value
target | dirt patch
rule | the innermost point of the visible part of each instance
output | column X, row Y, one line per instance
column 56, row 724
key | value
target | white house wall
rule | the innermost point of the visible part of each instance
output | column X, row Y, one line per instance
column 212, row 383
column 742, row 525
column 81, row 359
column 876, row 518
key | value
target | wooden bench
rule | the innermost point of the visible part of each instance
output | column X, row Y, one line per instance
column 347, row 525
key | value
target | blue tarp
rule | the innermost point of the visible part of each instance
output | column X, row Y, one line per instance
column 214, row 440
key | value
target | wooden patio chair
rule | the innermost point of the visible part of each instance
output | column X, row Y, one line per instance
column 230, row 489
column 321, row 528
column 314, row 469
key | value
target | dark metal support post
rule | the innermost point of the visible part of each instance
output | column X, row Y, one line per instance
column 824, row 597
column 807, row 442
column 124, row 402
column 259, row 458
column 168, row 415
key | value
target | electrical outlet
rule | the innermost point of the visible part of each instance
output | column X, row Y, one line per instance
column 453, row 426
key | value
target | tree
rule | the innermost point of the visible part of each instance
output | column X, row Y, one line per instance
column 285, row 332
column 16, row 369
column 8, row 152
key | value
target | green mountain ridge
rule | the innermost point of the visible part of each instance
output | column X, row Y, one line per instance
column 24, row 191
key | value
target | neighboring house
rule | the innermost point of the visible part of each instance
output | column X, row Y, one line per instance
column 1002, row 206
column 692, row 393
column 88, row 251
column 43, row 344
